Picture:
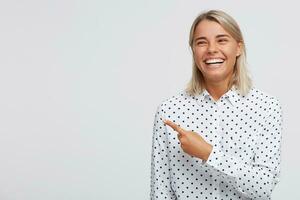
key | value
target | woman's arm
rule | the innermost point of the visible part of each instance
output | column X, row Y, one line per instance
column 255, row 180
column 160, row 171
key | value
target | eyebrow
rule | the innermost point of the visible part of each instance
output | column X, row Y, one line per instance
column 218, row 36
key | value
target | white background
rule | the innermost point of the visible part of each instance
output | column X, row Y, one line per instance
column 80, row 82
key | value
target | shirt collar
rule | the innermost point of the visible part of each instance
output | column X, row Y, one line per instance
column 232, row 95
column 204, row 95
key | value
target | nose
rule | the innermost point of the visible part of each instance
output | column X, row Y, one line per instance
column 212, row 47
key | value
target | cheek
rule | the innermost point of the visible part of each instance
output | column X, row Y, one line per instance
column 198, row 55
column 231, row 60
column 232, row 52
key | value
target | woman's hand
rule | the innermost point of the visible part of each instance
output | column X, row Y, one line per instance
column 191, row 142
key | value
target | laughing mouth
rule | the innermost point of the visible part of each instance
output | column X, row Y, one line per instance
column 214, row 61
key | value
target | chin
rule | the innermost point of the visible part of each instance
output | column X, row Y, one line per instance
column 215, row 73
column 215, row 76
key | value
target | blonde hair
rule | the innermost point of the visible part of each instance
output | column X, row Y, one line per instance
column 241, row 79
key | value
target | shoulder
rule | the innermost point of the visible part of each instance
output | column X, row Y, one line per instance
column 175, row 100
column 263, row 98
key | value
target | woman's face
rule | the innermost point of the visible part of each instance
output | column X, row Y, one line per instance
column 215, row 52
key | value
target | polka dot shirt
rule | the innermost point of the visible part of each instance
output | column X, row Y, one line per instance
column 246, row 134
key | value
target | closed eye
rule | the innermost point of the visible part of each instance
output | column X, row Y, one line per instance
column 222, row 40
column 201, row 43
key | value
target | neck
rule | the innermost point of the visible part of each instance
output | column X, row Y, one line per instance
column 217, row 89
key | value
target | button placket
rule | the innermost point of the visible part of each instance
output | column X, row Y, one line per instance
column 217, row 135
column 216, row 124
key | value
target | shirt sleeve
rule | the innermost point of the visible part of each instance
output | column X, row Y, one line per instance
column 255, row 180
column 160, row 171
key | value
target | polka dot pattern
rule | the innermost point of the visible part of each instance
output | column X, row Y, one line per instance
column 246, row 134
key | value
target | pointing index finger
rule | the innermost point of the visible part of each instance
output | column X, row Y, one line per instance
column 174, row 126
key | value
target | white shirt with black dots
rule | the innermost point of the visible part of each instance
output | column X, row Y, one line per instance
column 246, row 134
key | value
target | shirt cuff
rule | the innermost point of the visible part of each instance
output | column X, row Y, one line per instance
column 213, row 158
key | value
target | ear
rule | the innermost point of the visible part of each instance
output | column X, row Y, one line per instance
column 239, row 49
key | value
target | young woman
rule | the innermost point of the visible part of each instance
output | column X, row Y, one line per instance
column 220, row 138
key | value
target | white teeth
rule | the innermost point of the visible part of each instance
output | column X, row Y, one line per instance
column 214, row 61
